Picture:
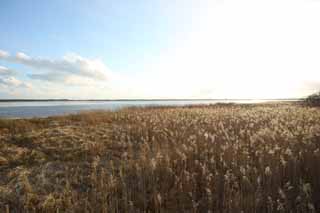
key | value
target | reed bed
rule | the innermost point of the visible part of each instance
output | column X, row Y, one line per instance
column 221, row 158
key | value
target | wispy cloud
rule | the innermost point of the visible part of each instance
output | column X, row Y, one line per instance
column 4, row 71
column 71, row 66
column 8, row 80
column 13, row 82
column 71, row 76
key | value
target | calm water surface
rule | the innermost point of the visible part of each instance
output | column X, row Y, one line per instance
column 28, row 109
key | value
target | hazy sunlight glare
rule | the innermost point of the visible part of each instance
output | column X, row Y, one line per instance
column 246, row 49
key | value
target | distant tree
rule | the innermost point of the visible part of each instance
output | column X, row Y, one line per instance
column 313, row 100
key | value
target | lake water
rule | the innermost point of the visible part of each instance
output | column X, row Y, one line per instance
column 28, row 109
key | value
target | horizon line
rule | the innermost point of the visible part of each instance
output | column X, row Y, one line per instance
column 147, row 99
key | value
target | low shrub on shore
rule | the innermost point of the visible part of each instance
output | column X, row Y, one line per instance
column 234, row 158
column 313, row 100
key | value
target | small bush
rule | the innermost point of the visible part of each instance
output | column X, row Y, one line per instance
column 313, row 100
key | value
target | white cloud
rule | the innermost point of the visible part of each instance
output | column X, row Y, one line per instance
column 4, row 71
column 72, row 76
column 4, row 54
column 22, row 57
column 9, row 81
column 65, row 79
column 13, row 83
column 61, row 70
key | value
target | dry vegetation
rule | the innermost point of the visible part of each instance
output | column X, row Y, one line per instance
column 223, row 158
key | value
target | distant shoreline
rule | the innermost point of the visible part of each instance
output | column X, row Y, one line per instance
column 46, row 108
column 110, row 100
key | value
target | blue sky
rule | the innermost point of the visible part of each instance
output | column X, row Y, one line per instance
column 159, row 49
column 119, row 32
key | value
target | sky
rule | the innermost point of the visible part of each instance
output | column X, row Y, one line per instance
column 123, row 49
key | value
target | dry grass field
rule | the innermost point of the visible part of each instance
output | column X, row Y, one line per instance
column 220, row 158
